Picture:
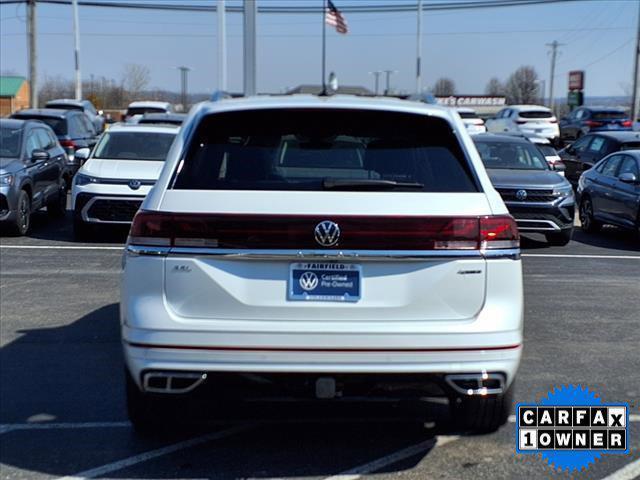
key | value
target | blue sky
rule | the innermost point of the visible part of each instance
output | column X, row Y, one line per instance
column 470, row 46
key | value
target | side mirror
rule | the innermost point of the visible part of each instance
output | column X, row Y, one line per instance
column 628, row 177
column 82, row 155
column 39, row 155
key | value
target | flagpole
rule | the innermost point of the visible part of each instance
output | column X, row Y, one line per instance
column 324, row 48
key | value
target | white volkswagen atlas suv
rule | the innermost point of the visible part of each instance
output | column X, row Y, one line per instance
column 327, row 249
column 118, row 174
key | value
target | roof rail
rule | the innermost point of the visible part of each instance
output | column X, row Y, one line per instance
column 222, row 95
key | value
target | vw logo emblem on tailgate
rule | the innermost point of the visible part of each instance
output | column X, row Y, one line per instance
column 308, row 281
column 327, row 233
column 134, row 184
column 521, row 195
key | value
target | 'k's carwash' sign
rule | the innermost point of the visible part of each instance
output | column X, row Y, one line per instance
column 472, row 101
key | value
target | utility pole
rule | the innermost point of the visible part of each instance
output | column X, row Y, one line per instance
column 250, row 14
column 184, row 71
column 554, row 54
column 419, row 50
column 76, row 44
column 33, row 53
column 222, row 47
column 635, row 94
column 389, row 73
column 377, row 74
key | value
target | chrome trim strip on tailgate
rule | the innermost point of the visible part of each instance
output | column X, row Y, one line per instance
column 333, row 255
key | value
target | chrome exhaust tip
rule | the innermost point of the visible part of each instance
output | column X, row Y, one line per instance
column 471, row 384
column 171, row 382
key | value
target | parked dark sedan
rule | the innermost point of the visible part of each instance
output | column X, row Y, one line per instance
column 540, row 199
column 585, row 120
column 585, row 152
column 33, row 167
column 72, row 127
column 610, row 192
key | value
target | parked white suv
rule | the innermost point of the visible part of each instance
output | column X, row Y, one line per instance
column 527, row 120
column 471, row 120
column 115, row 178
column 323, row 248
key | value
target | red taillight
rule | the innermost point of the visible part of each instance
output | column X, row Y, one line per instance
column 591, row 123
column 68, row 143
column 626, row 123
column 297, row 232
column 499, row 232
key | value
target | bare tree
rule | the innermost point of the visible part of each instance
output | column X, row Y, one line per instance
column 522, row 86
column 494, row 87
column 444, row 87
column 135, row 79
column 52, row 88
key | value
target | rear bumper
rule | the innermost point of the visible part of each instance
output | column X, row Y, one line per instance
column 145, row 357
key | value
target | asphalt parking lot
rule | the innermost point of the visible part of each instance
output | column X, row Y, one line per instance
column 62, row 411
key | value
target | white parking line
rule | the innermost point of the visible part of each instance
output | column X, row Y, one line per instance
column 557, row 255
column 628, row 472
column 146, row 456
column 9, row 427
column 632, row 418
column 59, row 247
column 357, row 472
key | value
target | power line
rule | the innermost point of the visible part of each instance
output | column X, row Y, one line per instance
column 388, row 8
column 307, row 35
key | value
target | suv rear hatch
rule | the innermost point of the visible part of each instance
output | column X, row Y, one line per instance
column 253, row 211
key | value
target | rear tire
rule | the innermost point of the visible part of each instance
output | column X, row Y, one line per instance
column 588, row 222
column 478, row 414
column 559, row 239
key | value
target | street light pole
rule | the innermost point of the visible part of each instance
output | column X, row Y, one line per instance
column 33, row 54
column 635, row 94
column 389, row 73
column 184, row 71
column 222, row 46
column 419, row 50
column 250, row 13
column 76, row 44
column 554, row 54
column 376, row 75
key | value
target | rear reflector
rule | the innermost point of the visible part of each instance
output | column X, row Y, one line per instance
column 228, row 231
column 626, row 123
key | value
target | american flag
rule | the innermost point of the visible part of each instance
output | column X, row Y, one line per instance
column 334, row 18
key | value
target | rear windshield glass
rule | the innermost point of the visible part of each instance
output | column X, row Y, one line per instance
column 630, row 146
column 511, row 155
column 548, row 150
column 65, row 106
column 59, row 125
column 613, row 115
column 10, row 142
column 143, row 110
column 160, row 121
column 536, row 114
column 468, row 114
column 323, row 149
column 134, row 145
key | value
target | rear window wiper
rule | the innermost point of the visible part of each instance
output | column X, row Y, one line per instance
column 368, row 184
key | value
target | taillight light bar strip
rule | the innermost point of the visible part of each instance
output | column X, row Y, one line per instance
column 287, row 234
